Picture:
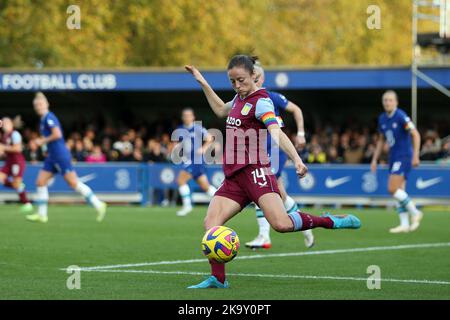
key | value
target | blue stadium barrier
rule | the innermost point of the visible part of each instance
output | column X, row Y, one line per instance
column 428, row 181
column 111, row 178
column 330, row 180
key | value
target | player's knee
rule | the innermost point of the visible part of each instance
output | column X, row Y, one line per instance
column 281, row 226
column 16, row 183
column 41, row 183
column 392, row 189
column 72, row 183
column 181, row 181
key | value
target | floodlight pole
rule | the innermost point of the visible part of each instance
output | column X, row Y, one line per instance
column 443, row 19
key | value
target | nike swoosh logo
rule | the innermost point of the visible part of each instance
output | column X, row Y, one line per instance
column 423, row 184
column 331, row 183
column 87, row 177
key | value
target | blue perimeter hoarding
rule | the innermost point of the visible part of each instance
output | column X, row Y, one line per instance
column 431, row 181
column 363, row 78
column 428, row 181
column 102, row 178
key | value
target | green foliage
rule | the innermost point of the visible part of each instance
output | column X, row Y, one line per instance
column 172, row 33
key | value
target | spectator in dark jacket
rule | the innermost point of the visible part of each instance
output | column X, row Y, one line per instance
column 153, row 152
column 33, row 153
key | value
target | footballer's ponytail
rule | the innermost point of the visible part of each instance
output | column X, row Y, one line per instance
column 254, row 59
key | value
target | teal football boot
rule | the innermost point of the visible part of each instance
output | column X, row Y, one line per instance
column 210, row 282
column 347, row 221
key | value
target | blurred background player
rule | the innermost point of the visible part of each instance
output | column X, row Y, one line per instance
column 404, row 145
column 58, row 160
column 280, row 102
column 194, row 168
column 12, row 172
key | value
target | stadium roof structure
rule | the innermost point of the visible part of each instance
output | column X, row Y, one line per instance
column 280, row 79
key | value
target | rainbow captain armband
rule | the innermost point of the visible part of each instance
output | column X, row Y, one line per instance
column 269, row 118
column 409, row 125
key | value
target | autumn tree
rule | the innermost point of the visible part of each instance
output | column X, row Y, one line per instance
column 139, row 33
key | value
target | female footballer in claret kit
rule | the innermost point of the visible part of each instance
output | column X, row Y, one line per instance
column 250, row 179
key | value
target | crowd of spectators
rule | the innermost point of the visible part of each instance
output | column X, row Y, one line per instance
column 357, row 146
column 110, row 144
column 328, row 144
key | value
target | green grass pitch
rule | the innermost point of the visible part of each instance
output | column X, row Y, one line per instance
column 33, row 257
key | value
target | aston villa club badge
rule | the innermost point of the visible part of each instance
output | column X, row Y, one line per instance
column 246, row 109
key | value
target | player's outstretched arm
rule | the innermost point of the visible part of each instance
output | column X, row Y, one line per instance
column 209, row 140
column 298, row 117
column 55, row 135
column 217, row 105
column 286, row 145
column 377, row 153
column 16, row 148
column 416, row 147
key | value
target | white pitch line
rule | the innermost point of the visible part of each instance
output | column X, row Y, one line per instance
column 290, row 276
column 272, row 255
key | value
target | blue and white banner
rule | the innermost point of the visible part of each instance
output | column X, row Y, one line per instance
column 102, row 178
column 430, row 181
column 359, row 181
column 57, row 81
column 352, row 78
column 329, row 180
column 164, row 176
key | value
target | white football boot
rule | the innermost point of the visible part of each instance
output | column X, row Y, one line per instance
column 415, row 221
column 259, row 242
column 309, row 238
column 399, row 229
column 184, row 211
column 101, row 211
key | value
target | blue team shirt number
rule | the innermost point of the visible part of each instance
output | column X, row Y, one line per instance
column 390, row 138
column 397, row 131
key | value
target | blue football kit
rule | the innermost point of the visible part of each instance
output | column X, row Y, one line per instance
column 396, row 130
column 280, row 103
column 58, row 156
column 194, row 163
